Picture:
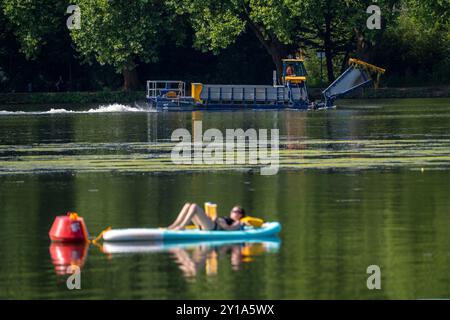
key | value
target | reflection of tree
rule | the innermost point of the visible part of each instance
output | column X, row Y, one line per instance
column 296, row 130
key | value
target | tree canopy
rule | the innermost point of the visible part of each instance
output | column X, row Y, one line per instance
column 130, row 36
column 335, row 27
column 33, row 22
column 121, row 33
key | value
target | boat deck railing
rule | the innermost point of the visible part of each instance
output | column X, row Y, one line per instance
column 165, row 88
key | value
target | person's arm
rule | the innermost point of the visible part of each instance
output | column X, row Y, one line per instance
column 246, row 223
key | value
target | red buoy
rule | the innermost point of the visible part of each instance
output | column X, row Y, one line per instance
column 69, row 228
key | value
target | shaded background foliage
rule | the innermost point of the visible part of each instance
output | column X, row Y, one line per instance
column 237, row 41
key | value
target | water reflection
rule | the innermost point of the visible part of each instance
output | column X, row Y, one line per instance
column 392, row 136
column 66, row 255
column 195, row 257
column 335, row 226
column 336, row 222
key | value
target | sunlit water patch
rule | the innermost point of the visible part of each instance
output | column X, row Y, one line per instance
column 391, row 134
column 293, row 155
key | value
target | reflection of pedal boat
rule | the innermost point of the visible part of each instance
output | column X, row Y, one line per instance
column 269, row 245
column 268, row 229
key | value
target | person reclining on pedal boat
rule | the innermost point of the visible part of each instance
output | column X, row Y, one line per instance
column 195, row 214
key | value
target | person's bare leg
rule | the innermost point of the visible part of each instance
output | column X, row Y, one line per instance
column 187, row 217
column 185, row 263
column 203, row 221
column 199, row 217
column 181, row 216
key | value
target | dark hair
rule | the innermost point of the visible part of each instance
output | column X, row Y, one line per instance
column 240, row 209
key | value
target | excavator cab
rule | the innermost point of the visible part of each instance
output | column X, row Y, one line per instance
column 294, row 71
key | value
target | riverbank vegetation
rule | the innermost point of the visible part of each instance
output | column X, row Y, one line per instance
column 121, row 96
column 119, row 44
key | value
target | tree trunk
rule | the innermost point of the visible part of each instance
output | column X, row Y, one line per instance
column 328, row 46
column 329, row 58
column 275, row 48
column 277, row 55
column 130, row 79
column 277, row 52
column 362, row 50
column 345, row 61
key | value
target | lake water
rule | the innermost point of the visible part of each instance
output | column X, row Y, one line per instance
column 366, row 184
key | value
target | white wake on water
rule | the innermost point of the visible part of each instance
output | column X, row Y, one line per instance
column 115, row 107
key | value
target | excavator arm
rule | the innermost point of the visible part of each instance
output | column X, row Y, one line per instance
column 359, row 74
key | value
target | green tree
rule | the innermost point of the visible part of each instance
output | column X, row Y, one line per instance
column 122, row 33
column 282, row 25
column 34, row 21
column 416, row 48
column 435, row 12
column 4, row 48
column 339, row 28
column 328, row 26
column 217, row 23
column 37, row 29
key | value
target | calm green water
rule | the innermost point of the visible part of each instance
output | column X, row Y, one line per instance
column 365, row 184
